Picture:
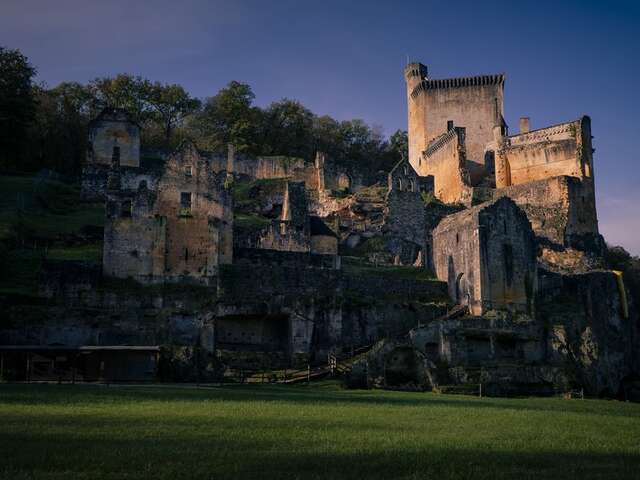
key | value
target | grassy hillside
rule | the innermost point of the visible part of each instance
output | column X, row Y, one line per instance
column 41, row 219
column 308, row 432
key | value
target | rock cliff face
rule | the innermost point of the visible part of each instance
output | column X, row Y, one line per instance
column 590, row 331
column 269, row 310
column 579, row 339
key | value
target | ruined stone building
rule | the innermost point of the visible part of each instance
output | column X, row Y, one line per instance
column 171, row 224
column 487, row 254
column 113, row 143
column 295, row 229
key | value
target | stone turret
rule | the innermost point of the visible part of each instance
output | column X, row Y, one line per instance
column 414, row 74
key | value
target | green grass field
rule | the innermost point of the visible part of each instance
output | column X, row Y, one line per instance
column 321, row 431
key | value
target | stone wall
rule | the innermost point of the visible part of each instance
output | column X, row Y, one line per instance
column 114, row 137
column 134, row 238
column 561, row 210
column 445, row 160
column 324, row 244
column 316, row 175
column 563, row 149
column 303, row 311
column 405, row 218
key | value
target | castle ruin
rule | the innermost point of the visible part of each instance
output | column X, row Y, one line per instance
column 478, row 261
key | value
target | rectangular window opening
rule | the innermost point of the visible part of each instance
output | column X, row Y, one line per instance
column 185, row 202
column 115, row 157
column 125, row 209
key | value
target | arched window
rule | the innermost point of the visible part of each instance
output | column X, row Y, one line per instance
column 399, row 184
column 410, row 187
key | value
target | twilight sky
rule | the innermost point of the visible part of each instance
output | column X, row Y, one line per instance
column 344, row 58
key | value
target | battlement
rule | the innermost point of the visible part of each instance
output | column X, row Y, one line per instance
column 415, row 70
column 460, row 82
column 550, row 133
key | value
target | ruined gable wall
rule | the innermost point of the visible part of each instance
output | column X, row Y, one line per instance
column 403, row 177
column 487, row 256
column 563, row 149
column 105, row 134
column 508, row 258
column 446, row 162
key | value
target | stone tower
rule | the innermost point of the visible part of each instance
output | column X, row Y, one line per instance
column 436, row 106
column 414, row 74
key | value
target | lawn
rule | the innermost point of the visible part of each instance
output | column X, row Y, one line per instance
column 319, row 431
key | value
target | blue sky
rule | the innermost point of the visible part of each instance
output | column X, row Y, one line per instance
column 562, row 59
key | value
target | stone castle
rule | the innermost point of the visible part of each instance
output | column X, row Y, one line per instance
column 478, row 261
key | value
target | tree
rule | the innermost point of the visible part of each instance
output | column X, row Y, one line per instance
column 399, row 143
column 172, row 104
column 59, row 130
column 287, row 129
column 17, row 107
column 617, row 258
column 328, row 137
column 228, row 117
column 122, row 91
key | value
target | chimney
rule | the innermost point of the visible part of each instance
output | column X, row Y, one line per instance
column 524, row 125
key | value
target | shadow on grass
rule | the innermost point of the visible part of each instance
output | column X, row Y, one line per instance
column 202, row 456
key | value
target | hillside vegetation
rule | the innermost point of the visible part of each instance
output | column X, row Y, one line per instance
column 43, row 219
